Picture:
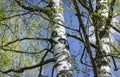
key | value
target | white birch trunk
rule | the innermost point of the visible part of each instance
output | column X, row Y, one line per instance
column 103, row 64
column 60, row 47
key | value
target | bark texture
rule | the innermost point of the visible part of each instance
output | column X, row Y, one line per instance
column 60, row 45
column 103, row 64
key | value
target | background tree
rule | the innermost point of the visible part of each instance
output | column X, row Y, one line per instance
column 65, row 38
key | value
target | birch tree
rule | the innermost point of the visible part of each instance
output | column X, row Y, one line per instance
column 102, row 28
column 102, row 37
column 101, row 19
column 60, row 45
column 54, row 12
column 59, row 38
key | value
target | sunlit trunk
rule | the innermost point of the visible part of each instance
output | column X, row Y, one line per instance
column 103, row 64
column 60, row 46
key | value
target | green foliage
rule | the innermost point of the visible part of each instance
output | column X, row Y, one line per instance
column 5, row 59
column 117, row 9
column 33, row 25
column 18, row 27
column 118, row 26
column 2, row 10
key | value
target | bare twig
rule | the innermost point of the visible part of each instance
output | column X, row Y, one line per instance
column 82, row 58
column 79, row 38
column 116, row 68
column 40, row 70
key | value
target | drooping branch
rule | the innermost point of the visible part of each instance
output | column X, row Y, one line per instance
column 58, row 23
column 31, row 7
column 79, row 38
column 25, row 38
column 14, row 16
column 18, row 51
column 21, row 70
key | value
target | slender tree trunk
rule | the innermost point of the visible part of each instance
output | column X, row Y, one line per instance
column 60, row 46
column 102, row 62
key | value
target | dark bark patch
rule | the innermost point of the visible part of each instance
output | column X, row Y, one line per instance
column 54, row 34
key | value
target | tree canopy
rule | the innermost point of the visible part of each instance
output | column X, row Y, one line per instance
column 28, row 38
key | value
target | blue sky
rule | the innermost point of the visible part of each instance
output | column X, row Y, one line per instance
column 76, row 47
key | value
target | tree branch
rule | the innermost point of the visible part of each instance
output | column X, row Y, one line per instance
column 21, row 70
column 18, row 51
column 115, row 28
column 110, row 15
column 79, row 38
column 26, row 38
column 82, row 60
column 40, row 70
column 14, row 16
column 116, row 68
column 87, row 43
column 114, row 48
column 58, row 23
column 33, row 7
column 84, row 4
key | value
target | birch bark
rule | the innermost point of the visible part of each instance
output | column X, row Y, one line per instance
column 60, row 45
column 103, row 64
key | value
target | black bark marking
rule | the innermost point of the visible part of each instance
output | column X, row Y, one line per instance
column 65, row 73
column 103, row 33
column 65, row 42
column 54, row 34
